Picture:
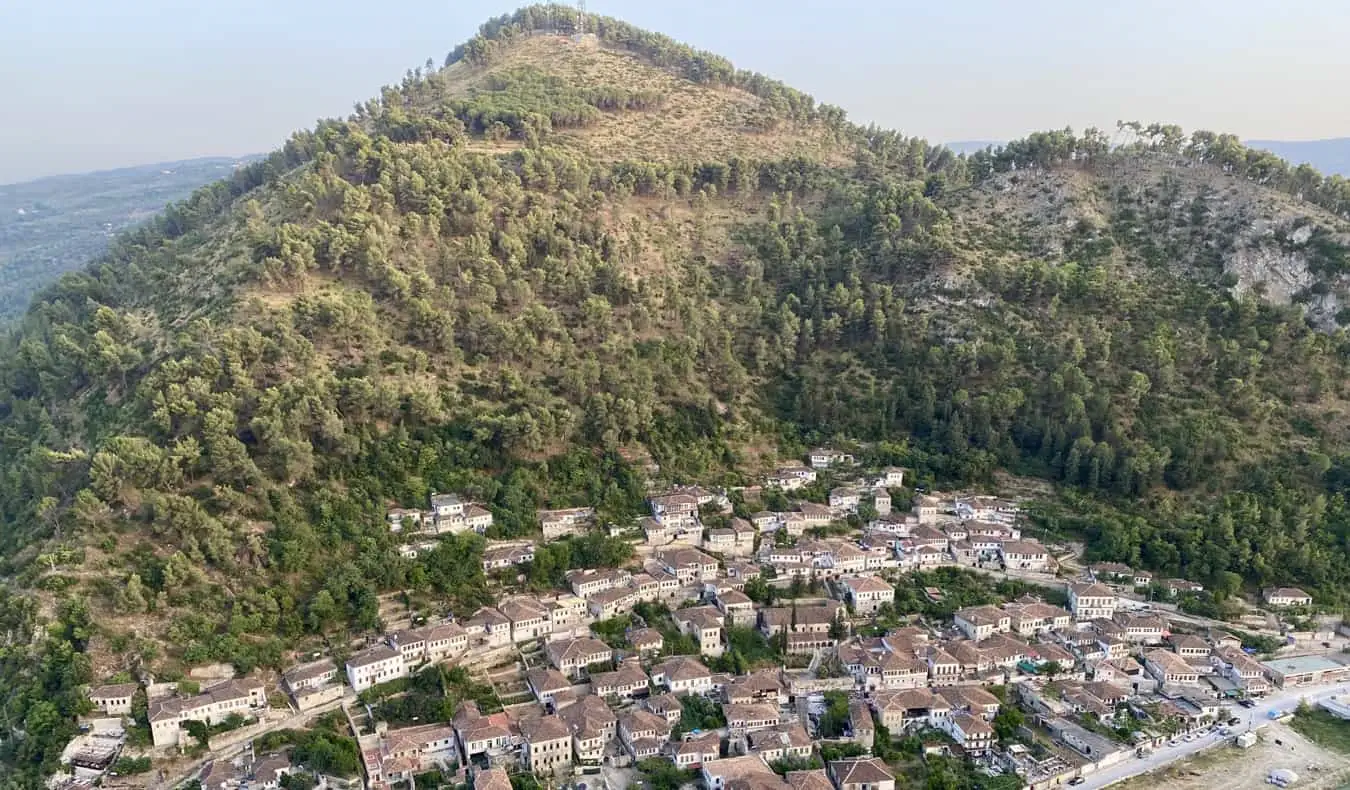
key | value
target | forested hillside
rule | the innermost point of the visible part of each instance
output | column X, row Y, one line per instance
column 500, row 273
column 56, row 225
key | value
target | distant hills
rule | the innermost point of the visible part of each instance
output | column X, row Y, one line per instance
column 55, row 225
column 971, row 146
column 1331, row 156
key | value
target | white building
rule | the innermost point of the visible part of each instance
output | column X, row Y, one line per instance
column 378, row 664
column 168, row 714
column 867, row 593
column 1287, row 596
column 1025, row 555
column 557, row 523
column 824, row 458
column 114, row 700
column 683, row 674
column 1092, row 601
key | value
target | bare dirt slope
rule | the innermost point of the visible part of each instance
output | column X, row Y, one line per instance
column 694, row 122
column 1238, row 769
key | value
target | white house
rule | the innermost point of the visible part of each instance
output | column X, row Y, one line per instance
column 114, row 700
column 571, row 656
column 791, row 477
column 973, row 733
column 1024, row 555
column 557, row 523
column 824, row 458
column 867, row 593
column 168, row 714
column 377, row 664
column 1287, row 596
column 1168, row 667
column 1091, row 601
column 683, row 674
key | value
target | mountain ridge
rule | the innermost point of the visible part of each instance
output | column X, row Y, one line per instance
column 474, row 285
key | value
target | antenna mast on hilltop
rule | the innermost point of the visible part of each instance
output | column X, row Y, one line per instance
column 581, row 17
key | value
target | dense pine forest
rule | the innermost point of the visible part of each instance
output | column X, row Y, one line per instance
column 502, row 272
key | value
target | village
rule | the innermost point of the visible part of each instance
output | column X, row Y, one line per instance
column 756, row 653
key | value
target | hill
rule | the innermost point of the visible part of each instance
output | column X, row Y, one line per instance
column 1328, row 156
column 504, row 276
column 55, row 225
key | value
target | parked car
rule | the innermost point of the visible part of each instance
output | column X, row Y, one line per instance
column 1234, row 721
column 1247, row 703
column 1077, row 780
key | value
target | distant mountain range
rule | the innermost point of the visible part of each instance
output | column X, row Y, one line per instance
column 971, row 146
column 58, row 224
column 1331, row 156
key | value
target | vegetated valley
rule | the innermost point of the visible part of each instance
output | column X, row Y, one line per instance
column 505, row 275
column 55, row 225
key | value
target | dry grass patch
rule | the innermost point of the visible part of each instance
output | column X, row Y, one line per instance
column 695, row 122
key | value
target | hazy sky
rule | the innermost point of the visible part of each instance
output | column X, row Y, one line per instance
column 92, row 84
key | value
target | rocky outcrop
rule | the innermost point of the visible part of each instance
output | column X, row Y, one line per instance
column 1273, row 260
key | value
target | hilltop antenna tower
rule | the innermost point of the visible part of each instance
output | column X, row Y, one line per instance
column 581, row 17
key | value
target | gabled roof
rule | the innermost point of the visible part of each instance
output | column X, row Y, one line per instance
column 909, row 699
column 1028, row 547
column 120, row 690
column 809, row 780
column 613, row 595
column 972, row 725
column 575, row 649
column 791, row 735
column 968, row 696
column 645, row 637
column 487, row 617
column 492, row 779
column 681, row 557
column 1091, row 590
column 661, row 703
column 867, row 584
column 294, row 675
column 765, row 680
column 629, row 673
column 682, row 668
column 750, row 712
column 1036, row 611
column 983, row 615
column 544, row 728
column 436, row 633
column 701, row 616
column 1170, row 662
column 777, row 616
column 867, row 770
column 734, row 598
column 547, row 679
column 589, row 717
column 373, row 655
column 637, row 720
column 1178, row 641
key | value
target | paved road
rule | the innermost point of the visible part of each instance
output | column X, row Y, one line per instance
column 1253, row 717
